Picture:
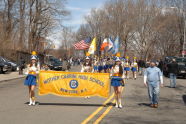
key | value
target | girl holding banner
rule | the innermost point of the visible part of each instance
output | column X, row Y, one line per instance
column 30, row 81
column 117, row 76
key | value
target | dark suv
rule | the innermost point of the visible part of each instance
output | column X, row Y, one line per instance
column 54, row 63
column 4, row 66
column 181, row 66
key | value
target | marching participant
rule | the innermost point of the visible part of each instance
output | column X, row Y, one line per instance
column 87, row 67
column 127, row 67
column 95, row 65
column 30, row 81
column 100, row 65
column 104, row 62
column 109, row 65
column 134, row 68
column 117, row 80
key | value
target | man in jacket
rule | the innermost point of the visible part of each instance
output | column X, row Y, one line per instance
column 152, row 79
column 173, row 70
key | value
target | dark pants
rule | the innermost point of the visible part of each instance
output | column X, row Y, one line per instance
column 20, row 70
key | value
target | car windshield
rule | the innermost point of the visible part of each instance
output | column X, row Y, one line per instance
column 57, row 61
column 181, row 60
column 6, row 60
column 3, row 59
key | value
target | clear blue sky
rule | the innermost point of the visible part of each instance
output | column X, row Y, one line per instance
column 80, row 8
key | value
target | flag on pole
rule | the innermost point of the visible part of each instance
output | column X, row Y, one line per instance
column 92, row 47
column 111, row 46
column 83, row 44
column 116, row 45
column 104, row 44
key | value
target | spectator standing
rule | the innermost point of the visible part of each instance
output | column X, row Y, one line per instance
column 21, row 66
column 65, row 64
column 141, row 66
column 173, row 70
column 160, row 66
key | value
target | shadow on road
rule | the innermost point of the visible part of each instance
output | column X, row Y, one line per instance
column 72, row 104
column 184, row 98
column 144, row 104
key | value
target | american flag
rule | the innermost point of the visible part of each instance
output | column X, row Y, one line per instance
column 83, row 44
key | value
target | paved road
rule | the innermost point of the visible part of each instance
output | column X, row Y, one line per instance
column 172, row 105
column 58, row 110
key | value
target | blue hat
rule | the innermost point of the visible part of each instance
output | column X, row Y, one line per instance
column 87, row 58
column 33, row 57
column 117, row 59
column 154, row 61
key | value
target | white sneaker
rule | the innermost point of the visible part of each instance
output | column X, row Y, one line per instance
column 34, row 103
column 116, row 105
column 30, row 103
column 120, row 106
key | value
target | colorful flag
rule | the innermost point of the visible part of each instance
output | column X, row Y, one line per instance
column 111, row 48
column 111, row 45
column 83, row 44
column 92, row 47
column 116, row 45
column 104, row 44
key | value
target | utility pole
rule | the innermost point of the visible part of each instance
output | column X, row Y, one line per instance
column 184, row 30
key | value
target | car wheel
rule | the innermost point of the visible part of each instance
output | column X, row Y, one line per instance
column 184, row 76
column 3, row 72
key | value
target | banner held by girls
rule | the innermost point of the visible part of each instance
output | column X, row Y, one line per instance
column 74, row 84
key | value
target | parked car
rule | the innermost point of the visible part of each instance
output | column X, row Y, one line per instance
column 54, row 63
column 4, row 65
column 181, row 66
column 13, row 64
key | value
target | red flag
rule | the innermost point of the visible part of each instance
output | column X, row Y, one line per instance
column 81, row 45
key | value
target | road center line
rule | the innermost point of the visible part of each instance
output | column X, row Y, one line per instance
column 106, row 111
column 98, row 110
column 104, row 114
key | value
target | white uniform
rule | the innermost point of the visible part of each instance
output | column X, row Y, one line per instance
column 86, row 68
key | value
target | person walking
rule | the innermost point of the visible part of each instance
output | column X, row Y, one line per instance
column 173, row 70
column 153, row 78
column 21, row 66
column 30, row 81
column 134, row 68
column 117, row 76
column 127, row 67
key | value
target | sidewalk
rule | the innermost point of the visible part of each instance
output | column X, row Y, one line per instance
column 10, row 76
column 15, row 75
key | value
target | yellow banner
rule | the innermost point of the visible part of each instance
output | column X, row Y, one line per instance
column 74, row 83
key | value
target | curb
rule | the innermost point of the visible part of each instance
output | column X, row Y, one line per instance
column 11, row 79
